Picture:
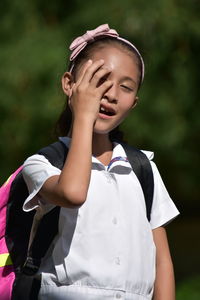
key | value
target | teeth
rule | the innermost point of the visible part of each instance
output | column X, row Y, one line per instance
column 103, row 109
column 106, row 111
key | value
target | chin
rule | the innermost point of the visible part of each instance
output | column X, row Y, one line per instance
column 102, row 130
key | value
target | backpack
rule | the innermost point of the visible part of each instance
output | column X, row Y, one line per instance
column 19, row 261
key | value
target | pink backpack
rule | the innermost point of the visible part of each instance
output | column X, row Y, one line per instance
column 19, row 262
column 7, row 274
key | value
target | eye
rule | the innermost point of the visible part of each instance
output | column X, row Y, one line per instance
column 127, row 88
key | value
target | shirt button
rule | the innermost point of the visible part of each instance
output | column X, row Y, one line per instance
column 114, row 220
column 117, row 261
column 118, row 296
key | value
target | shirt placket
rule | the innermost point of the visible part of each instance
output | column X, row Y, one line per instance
column 116, row 225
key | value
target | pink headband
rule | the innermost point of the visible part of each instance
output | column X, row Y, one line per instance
column 103, row 30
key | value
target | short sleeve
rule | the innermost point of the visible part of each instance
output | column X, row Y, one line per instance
column 163, row 208
column 36, row 170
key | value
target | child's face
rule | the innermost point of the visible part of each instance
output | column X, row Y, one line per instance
column 121, row 97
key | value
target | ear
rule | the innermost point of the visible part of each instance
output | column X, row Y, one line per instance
column 135, row 102
column 67, row 83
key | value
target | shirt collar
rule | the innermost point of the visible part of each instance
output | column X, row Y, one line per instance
column 118, row 155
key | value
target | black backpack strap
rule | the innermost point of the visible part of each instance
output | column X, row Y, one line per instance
column 56, row 154
column 142, row 168
column 48, row 227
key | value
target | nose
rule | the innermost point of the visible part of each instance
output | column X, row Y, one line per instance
column 111, row 94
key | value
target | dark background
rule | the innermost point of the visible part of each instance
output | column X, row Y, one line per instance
column 34, row 40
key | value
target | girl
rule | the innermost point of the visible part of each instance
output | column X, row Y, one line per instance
column 106, row 248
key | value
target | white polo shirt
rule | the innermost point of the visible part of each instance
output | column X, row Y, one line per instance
column 105, row 248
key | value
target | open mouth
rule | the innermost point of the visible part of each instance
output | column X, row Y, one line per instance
column 105, row 111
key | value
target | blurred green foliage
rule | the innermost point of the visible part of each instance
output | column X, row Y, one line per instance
column 189, row 289
column 34, row 40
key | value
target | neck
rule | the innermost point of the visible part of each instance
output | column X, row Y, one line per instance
column 101, row 144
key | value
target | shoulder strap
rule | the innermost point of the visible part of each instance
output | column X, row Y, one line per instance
column 142, row 168
column 48, row 227
column 56, row 153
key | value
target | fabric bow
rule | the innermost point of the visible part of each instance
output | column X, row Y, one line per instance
column 80, row 42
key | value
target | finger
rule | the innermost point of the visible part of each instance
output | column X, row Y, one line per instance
column 100, row 76
column 91, row 70
column 83, row 70
column 104, row 87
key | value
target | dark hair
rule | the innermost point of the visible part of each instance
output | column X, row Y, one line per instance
column 64, row 122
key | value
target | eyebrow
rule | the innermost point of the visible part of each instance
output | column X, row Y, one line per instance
column 129, row 79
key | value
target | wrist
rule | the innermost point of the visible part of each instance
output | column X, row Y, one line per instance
column 84, row 120
column 82, row 126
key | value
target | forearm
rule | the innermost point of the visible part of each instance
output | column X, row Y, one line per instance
column 69, row 189
column 164, row 288
column 77, row 168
